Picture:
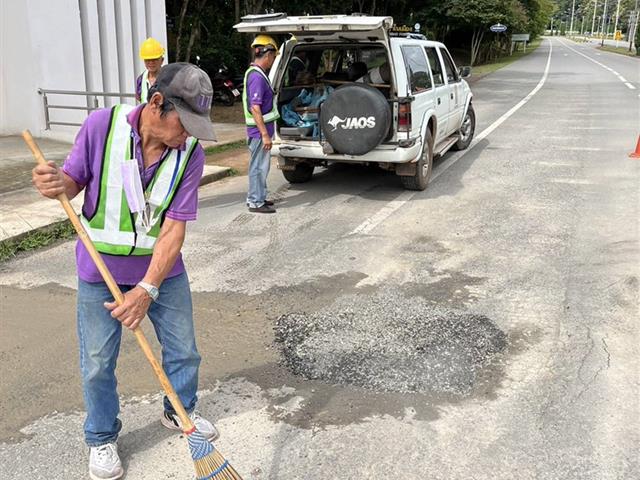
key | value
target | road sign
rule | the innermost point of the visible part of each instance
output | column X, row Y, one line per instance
column 520, row 37
column 498, row 28
column 618, row 35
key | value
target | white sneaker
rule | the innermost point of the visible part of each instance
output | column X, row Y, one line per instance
column 104, row 463
column 204, row 426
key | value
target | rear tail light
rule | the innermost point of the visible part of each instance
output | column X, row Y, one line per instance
column 404, row 117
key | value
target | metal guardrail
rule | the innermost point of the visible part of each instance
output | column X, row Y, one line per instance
column 92, row 98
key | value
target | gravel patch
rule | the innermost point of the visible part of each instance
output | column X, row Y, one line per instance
column 386, row 342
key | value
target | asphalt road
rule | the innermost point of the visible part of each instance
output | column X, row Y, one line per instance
column 515, row 275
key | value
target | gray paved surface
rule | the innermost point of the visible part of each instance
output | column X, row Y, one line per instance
column 534, row 229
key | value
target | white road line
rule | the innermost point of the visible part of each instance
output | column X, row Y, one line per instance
column 554, row 164
column 620, row 77
column 572, row 181
column 381, row 215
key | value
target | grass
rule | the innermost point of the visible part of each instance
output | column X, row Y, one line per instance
column 225, row 148
column 619, row 50
column 36, row 239
column 486, row 69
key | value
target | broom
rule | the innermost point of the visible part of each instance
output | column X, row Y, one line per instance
column 209, row 463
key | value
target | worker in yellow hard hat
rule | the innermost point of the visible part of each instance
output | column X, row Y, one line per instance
column 152, row 53
column 260, row 114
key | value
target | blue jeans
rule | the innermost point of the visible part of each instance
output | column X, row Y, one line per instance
column 99, row 337
column 259, row 165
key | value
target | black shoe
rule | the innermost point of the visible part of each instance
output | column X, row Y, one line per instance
column 268, row 203
column 262, row 209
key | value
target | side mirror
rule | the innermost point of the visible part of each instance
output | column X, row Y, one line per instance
column 464, row 72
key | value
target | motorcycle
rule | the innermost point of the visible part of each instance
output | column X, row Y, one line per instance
column 224, row 90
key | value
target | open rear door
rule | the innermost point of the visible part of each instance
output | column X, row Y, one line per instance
column 280, row 23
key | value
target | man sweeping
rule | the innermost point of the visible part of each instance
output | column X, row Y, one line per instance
column 260, row 113
column 152, row 54
column 140, row 168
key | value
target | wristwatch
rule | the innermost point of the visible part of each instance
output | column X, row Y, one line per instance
column 150, row 289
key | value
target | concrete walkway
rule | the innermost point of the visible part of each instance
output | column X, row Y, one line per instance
column 23, row 210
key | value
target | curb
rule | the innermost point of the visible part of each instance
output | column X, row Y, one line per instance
column 212, row 173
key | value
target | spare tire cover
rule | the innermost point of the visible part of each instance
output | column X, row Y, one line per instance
column 355, row 119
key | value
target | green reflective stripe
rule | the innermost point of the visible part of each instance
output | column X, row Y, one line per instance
column 268, row 117
column 126, row 224
column 112, row 249
column 139, row 251
column 98, row 218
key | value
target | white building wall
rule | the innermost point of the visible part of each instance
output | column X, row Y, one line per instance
column 81, row 45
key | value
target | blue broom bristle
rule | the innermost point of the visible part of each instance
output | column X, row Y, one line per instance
column 199, row 446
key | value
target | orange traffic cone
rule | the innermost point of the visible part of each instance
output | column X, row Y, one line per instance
column 636, row 154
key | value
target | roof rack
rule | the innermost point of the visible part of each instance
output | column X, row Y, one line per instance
column 263, row 16
column 413, row 36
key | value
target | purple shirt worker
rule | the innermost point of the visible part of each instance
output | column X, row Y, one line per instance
column 260, row 115
column 140, row 168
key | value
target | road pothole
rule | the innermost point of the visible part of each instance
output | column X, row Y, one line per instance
column 389, row 343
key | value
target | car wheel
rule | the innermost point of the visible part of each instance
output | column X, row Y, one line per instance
column 467, row 129
column 424, row 165
column 302, row 173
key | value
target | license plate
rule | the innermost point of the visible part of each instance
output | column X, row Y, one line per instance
column 235, row 92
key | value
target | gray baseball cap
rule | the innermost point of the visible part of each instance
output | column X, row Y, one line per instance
column 189, row 89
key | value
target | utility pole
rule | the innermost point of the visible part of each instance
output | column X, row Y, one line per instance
column 573, row 10
column 615, row 29
column 604, row 19
column 593, row 23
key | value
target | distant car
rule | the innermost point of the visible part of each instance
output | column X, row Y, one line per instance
column 350, row 89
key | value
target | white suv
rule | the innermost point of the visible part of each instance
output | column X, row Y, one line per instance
column 351, row 89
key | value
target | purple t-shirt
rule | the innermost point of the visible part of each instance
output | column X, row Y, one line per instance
column 83, row 166
column 259, row 92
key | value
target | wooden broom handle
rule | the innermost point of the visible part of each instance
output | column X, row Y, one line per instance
column 187, row 424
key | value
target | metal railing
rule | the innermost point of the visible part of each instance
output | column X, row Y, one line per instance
column 92, row 99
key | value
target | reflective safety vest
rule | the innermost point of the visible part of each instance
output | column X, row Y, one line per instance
column 112, row 227
column 268, row 117
column 144, row 86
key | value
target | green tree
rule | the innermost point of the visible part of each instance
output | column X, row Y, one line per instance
column 477, row 16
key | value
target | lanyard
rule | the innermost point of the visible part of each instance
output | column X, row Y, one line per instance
column 150, row 207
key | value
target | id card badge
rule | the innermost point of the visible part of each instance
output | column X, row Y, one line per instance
column 133, row 190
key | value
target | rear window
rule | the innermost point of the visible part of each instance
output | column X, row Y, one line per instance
column 337, row 63
column 417, row 69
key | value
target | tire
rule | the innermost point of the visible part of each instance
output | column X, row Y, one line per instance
column 226, row 98
column 355, row 118
column 467, row 129
column 301, row 174
column 424, row 165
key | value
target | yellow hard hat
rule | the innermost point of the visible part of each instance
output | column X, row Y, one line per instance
column 151, row 49
column 263, row 41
